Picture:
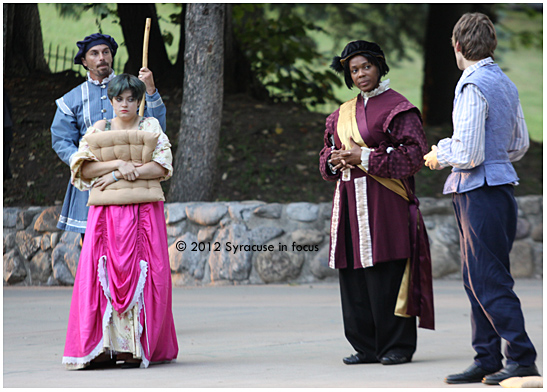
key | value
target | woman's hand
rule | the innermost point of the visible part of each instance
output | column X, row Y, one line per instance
column 346, row 159
column 104, row 181
column 128, row 170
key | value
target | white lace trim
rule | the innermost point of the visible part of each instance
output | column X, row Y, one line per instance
column 83, row 360
column 382, row 88
column 139, row 293
column 103, row 279
column 102, row 274
column 140, row 285
column 105, row 80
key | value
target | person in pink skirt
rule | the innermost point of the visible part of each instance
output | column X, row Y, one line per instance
column 121, row 302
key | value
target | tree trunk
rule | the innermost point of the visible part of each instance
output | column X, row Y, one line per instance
column 441, row 73
column 133, row 20
column 23, row 44
column 195, row 158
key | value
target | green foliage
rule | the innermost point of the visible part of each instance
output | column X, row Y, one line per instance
column 282, row 55
column 528, row 33
column 101, row 11
column 393, row 26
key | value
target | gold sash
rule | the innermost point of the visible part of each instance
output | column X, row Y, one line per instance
column 346, row 128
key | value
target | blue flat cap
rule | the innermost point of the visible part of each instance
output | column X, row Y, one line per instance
column 94, row 40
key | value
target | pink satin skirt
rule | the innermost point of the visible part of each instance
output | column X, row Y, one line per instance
column 124, row 263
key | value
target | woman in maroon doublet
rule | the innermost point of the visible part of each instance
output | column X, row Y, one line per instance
column 374, row 144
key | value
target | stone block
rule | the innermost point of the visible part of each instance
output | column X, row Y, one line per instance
column 307, row 237
column 303, row 212
column 269, row 211
column 429, row 223
column 206, row 234
column 27, row 244
column 264, row 234
column 445, row 259
column 61, row 272
column 523, row 228
column 14, row 267
column 433, row 206
column 47, row 221
column 45, row 242
column 522, row 260
column 226, row 221
column 25, row 217
column 530, row 205
column 326, row 210
column 70, row 238
column 189, row 261
column 206, row 214
column 10, row 216
column 40, row 267
column 319, row 265
column 242, row 210
column 72, row 258
column 54, row 238
column 175, row 212
column 230, row 263
column 175, row 230
column 537, row 233
column 278, row 266
column 9, row 241
column 446, row 232
column 538, row 259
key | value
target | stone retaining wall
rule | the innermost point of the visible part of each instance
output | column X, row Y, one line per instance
column 247, row 242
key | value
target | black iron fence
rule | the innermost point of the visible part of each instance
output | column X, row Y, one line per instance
column 60, row 59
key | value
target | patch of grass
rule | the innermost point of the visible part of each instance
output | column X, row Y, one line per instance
column 525, row 68
column 66, row 31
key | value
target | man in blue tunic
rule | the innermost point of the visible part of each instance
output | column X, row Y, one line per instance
column 489, row 134
column 82, row 107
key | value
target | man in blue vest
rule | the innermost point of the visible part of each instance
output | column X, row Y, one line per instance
column 489, row 134
column 86, row 104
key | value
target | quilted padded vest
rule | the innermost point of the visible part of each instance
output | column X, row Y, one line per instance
column 128, row 145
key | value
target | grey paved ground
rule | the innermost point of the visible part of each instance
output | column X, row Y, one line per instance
column 250, row 336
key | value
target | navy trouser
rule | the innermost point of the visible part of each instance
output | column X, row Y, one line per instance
column 487, row 220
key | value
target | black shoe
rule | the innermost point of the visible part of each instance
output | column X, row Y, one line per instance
column 511, row 370
column 394, row 359
column 473, row 373
column 358, row 358
column 105, row 364
column 131, row 365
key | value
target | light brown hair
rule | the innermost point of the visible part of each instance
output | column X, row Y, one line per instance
column 476, row 35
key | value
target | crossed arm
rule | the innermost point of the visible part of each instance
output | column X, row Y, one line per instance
column 106, row 171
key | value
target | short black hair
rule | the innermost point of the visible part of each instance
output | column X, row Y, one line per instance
column 124, row 82
column 370, row 50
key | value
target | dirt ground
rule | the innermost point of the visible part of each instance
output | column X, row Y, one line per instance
column 267, row 151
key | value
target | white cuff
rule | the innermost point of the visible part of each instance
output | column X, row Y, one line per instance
column 365, row 154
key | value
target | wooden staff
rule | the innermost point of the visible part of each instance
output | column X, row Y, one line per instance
column 145, row 56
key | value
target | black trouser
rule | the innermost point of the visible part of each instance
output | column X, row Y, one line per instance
column 368, row 297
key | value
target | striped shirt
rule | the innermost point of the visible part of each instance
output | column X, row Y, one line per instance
column 466, row 148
